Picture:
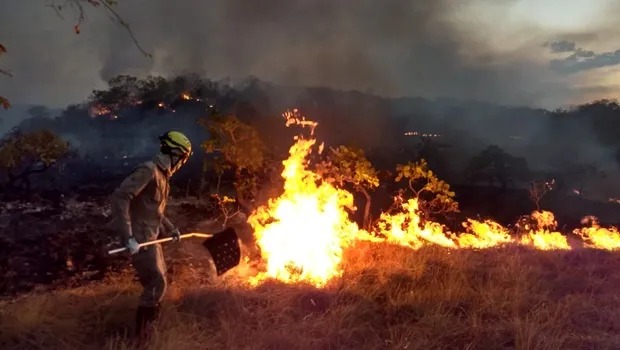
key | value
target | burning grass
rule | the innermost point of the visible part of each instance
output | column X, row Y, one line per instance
column 387, row 297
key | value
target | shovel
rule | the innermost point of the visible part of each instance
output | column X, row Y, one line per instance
column 223, row 246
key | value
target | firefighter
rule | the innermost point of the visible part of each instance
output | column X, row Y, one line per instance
column 138, row 206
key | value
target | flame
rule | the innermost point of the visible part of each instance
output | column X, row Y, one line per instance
column 97, row 110
column 302, row 233
column 598, row 237
column 186, row 96
column 543, row 235
column 406, row 228
column 484, row 234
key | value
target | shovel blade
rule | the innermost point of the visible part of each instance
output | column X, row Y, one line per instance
column 225, row 250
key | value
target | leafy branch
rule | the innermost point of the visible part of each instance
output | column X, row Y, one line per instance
column 434, row 194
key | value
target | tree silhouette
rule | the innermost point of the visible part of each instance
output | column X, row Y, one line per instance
column 494, row 165
column 24, row 154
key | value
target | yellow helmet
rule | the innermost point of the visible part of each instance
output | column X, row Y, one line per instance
column 175, row 143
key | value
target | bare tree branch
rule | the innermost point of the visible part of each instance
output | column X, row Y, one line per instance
column 126, row 25
column 2, row 71
column 4, row 103
column 108, row 9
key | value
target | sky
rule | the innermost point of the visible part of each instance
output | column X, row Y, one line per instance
column 545, row 53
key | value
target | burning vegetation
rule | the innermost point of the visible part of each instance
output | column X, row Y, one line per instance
column 302, row 233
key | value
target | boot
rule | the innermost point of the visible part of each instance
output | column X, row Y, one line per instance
column 144, row 318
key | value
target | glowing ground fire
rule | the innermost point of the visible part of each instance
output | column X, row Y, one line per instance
column 302, row 234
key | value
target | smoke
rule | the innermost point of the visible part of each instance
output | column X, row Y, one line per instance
column 394, row 48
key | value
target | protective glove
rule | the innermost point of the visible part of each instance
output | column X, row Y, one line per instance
column 132, row 246
column 175, row 234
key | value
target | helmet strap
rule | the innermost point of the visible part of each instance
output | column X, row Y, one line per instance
column 175, row 162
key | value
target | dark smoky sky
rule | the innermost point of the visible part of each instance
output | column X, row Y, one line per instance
column 479, row 49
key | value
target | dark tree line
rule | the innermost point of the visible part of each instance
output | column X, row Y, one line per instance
column 121, row 122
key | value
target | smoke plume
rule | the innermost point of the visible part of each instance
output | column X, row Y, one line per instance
column 393, row 48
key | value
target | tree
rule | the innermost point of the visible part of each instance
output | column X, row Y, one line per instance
column 122, row 91
column 493, row 165
column 24, row 154
column 602, row 116
column 434, row 195
column 349, row 165
column 235, row 146
column 126, row 92
column 538, row 189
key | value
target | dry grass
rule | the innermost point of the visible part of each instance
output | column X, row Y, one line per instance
column 389, row 297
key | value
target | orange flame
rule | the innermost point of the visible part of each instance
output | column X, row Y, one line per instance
column 406, row 228
column 485, row 234
column 599, row 237
column 543, row 236
column 303, row 232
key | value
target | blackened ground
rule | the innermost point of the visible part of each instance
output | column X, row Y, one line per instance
column 42, row 246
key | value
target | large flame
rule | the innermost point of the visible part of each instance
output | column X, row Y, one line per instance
column 303, row 232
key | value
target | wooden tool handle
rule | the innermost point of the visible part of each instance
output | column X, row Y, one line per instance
column 162, row 240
